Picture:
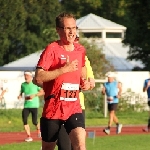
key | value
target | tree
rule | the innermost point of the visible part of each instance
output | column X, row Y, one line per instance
column 138, row 31
column 13, row 17
column 114, row 10
column 77, row 7
column 23, row 27
column 97, row 59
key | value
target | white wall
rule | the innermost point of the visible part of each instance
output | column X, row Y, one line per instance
column 133, row 80
column 12, row 81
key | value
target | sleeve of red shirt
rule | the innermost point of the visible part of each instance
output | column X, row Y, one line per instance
column 46, row 58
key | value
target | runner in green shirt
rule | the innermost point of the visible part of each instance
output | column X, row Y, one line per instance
column 31, row 104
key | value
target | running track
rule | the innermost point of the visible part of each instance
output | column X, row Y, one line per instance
column 18, row 137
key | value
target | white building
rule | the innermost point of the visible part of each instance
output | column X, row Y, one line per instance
column 109, row 36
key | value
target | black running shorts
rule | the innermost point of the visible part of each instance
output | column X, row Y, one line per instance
column 112, row 106
column 50, row 127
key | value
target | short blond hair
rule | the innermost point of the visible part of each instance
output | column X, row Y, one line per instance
column 60, row 18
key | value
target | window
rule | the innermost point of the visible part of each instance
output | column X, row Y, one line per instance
column 93, row 35
column 113, row 35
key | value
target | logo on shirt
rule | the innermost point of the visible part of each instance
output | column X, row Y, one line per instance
column 62, row 57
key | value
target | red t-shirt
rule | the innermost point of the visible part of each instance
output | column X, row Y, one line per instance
column 65, row 88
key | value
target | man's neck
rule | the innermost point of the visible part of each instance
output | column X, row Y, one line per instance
column 28, row 82
column 67, row 47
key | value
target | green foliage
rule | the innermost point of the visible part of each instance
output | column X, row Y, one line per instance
column 78, row 7
column 93, row 101
column 138, row 33
column 23, row 24
column 97, row 59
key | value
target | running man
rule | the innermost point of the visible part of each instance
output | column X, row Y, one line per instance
column 113, row 90
column 61, row 69
column 146, row 88
column 31, row 103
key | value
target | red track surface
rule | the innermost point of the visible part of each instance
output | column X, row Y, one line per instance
column 17, row 137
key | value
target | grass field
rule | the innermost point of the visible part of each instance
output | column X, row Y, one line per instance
column 126, row 142
column 11, row 120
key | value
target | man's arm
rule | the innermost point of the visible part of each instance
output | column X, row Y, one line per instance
column 40, row 93
column 146, row 86
column 45, row 76
column 145, row 89
column 2, row 94
column 120, row 89
column 39, row 84
column 103, row 91
column 20, row 95
column 84, row 73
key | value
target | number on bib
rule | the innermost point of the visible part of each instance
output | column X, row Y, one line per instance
column 69, row 92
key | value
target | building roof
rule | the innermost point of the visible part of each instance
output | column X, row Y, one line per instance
column 92, row 21
column 117, row 54
column 26, row 63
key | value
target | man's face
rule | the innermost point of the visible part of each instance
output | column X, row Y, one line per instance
column 28, row 78
column 67, row 33
column 110, row 79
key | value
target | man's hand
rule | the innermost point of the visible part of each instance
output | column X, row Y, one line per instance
column 70, row 66
column 85, row 84
column 39, row 83
column 148, row 83
column 32, row 96
column 92, row 83
column 19, row 97
column 118, row 96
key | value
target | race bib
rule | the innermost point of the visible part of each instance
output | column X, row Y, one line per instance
column 69, row 92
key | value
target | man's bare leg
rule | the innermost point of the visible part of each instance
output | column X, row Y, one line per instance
column 111, row 118
column 27, row 129
column 48, row 145
column 115, row 119
column 77, row 137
